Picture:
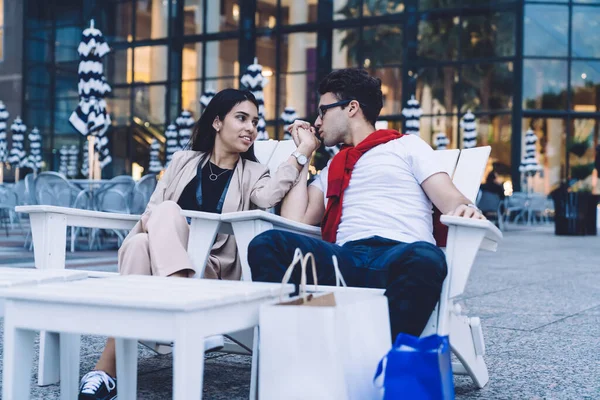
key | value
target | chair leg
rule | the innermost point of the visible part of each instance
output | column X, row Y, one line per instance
column 467, row 345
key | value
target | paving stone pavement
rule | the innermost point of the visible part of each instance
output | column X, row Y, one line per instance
column 538, row 298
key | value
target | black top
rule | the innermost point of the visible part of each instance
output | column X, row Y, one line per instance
column 212, row 190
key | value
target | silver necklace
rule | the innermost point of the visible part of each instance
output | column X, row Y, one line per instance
column 213, row 177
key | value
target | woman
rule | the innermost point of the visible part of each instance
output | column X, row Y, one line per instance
column 219, row 174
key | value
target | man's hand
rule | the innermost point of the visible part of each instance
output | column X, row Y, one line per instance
column 467, row 212
column 304, row 137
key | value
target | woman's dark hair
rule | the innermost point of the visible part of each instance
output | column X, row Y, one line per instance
column 355, row 84
column 203, row 135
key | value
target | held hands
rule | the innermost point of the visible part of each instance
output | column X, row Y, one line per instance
column 467, row 212
column 304, row 137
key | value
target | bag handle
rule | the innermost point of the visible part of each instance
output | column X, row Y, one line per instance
column 339, row 279
column 303, row 259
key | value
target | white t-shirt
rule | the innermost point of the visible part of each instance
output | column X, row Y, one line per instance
column 384, row 197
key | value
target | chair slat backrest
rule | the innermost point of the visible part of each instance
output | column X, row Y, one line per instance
column 469, row 170
column 448, row 160
column 263, row 150
column 281, row 154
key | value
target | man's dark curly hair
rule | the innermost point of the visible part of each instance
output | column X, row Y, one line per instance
column 356, row 84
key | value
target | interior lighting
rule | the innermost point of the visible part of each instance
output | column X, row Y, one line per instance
column 266, row 72
column 367, row 63
column 236, row 12
column 584, row 76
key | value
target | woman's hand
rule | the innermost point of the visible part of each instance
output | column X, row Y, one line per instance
column 304, row 137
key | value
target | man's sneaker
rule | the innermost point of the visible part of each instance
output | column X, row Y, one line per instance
column 97, row 385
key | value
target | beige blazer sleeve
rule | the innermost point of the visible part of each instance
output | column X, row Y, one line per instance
column 158, row 196
column 270, row 190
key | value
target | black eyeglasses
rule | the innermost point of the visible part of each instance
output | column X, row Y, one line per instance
column 323, row 108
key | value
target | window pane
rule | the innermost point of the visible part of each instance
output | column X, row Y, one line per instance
column 118, row 106
column 151, row 19
column 192, row 17
column 487, row 87
column 298, row 90
column 382, row 45
column 222, row 59
column 266, row 56
column 546, row 30
column 429, row 4
column 150, row 64
column 438, row 38
column 345, row 9
column 293, row 12
column 67, row 41
column 544, row 84
column 374, row 8
column 63, row 110
column 1, row 44
column 496, row 131
column 345, row 48
column 581, row 153
column 67, row 80
column 391, row 86
column 430, row 125
column 551, row 145
column 585, row 84
column 149, row 103
column 120, row 16
column 491, row 35
column 191, row 74
column 222, row 16
column 437, row 91
column 586, row 22
column 1, row 12
column 118, row 67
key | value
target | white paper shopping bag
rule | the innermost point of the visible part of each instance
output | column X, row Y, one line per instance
column 322, row 345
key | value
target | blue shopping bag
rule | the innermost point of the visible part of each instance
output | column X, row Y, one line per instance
column 417, row 368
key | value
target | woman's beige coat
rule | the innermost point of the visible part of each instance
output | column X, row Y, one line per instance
column 251, row 187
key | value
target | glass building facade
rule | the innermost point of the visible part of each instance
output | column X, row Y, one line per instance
column 515, row 64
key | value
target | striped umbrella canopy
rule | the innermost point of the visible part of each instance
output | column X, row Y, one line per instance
column 440, row 141
column 529, row 163
column 34, row 161
column 254, row 81
column 72, row 163
column 469, row 130
column 85, row 162
column 155, row 165
column 3, row 144
column 63, row 166
column 412, row 114
column 91, row 117
column 185, row 123
column 17, row 156
column 172, row 143
column 206, row 97
column 288, row 116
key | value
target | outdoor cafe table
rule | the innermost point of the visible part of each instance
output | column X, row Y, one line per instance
column 178, row 310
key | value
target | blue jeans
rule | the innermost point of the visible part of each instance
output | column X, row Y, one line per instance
column 411, row 273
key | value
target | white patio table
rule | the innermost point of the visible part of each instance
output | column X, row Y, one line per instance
column 129, row 308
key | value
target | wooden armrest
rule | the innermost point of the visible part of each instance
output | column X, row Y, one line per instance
column 492, row 235
column 277, row 221
column 83, row 218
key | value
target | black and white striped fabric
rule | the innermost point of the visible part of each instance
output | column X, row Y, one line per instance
column 172, row 143
column 34, row 161
column 185, row 123
column 155, row 165
column 85, row 161
column 440, row 141
column 254, row 81
column 288, row 116
column 206, row 97
column 91, row 116
column 529, row 163
column 17, row 157
column 469, row 127
column 3, row 124
column 412, row 114
column 63, row 165
column 72, row 164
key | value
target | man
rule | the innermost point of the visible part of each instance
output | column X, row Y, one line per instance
column 374, row 202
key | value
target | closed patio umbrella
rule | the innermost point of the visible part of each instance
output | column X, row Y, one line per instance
column 17, row 156
column 3, row 144
column 469, row 130
column 34, row 160
column 91, row 118
column 63, row 165
column 172, row 143
column 155, row 165
column 85, row 162
column 412, row 115
column 255, row 82
column 288, row 116
column 441, row 141
column 72, row 163
column 206, row 97
column 185, row 123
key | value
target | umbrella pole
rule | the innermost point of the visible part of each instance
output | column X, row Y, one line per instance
column 1, row 173
column 90, row 159
column 17, row 170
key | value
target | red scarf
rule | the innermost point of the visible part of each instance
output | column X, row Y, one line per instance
column 340, row 171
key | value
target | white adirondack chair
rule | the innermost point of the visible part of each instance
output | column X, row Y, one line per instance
column 465, row 238
column 49, row 236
